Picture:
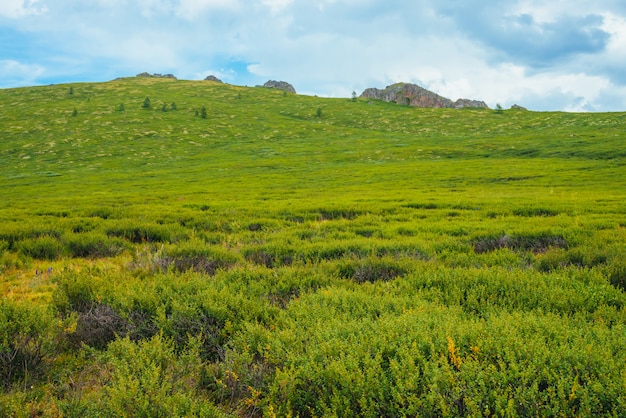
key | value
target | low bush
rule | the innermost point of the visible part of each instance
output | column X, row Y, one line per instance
column 532, row 212
column 10, row 260
column 371, row 269
column 535, row 243
column 73, row 293
column 197, row 323
column 101, row 212
column 198, row 257
column 26, row 343
column 332, row 214
column 421, row 205
column 84, row 225
column 98, row 326
column 617, row 274
column 14, row 233
column 149, row 379
column 138, row 233
column 141, row 324
column 94, row 246
column 42, row 248
column 270, row 255
column 556, row 258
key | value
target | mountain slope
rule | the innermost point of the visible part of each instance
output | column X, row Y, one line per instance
column 260, row 132
column 191, row 248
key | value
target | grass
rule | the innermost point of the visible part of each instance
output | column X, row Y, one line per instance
column 295, row 255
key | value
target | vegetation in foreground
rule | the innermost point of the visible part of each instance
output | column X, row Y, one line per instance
column 176, row 248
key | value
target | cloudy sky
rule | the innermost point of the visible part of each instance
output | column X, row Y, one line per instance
column 545, row 55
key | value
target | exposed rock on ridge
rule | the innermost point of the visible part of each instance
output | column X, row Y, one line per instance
column 213, row 78
column 461, row 103
column 414, row 95
column 156, row 75
column 280, row 85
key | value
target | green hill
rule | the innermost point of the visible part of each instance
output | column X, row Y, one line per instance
column 191, row 248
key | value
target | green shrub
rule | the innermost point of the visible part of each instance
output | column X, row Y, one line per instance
column 197, row 256
column 84, row 225
column 138, row 233
column 533, row 242
column 74, row 292
column 185, row 322
column 270, row 255
column 333, row 214
column 617, row 274
column 421, row 205
column 555, row 258
column 13, row 233
column 371, row 269
column 530, row 212
column 26, row 343
column 42, row 248
column 101, row 212
column 552, row 260
column 148, row 379
column 10, row 260
column 94, row 246
column 98, row 326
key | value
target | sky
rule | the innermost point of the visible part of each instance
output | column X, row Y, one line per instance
column 565, row 55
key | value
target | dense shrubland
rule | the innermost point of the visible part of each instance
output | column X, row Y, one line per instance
column 262, row 261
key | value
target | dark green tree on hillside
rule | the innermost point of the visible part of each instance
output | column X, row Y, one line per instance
column 203, row 113
column 173, row 106
column 74, row 112
column 146, row 103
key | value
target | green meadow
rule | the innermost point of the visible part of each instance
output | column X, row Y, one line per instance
column 190, row 248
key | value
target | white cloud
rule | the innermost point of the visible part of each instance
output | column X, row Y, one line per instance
column 330, row 48
column 19, row 8
column 14, row 73
column 616, row 26
column 276, row 6
column 192, row 9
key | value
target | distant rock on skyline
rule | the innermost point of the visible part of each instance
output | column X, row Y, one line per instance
column 279, row 85
column 414, row 95
column 213, row 78
column 156, row 75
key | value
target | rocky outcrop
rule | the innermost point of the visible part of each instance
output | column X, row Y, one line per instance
column 407, row 94
column 414, row 95
column 156, row 75
column 518, row 107
column 280, row 85
column 472, row 104
column 213, row 78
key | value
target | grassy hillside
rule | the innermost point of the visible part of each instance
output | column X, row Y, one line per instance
column 293, row 255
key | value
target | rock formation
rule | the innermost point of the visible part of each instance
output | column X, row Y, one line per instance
column 156, row 75
column 280, row 85
column 414, row 95
column 473, row 104
column 213, row 78
column 518, row 107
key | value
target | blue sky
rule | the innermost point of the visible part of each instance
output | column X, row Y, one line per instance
column 558, row 55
